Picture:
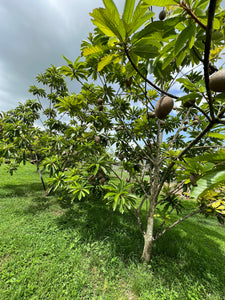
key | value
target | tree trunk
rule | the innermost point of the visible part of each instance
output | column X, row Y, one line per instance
column 42, row 180
column 149, row 237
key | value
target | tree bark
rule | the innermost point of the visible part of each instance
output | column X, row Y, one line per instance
column 149, row 236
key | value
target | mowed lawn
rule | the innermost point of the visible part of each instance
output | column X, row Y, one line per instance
column 50, row 251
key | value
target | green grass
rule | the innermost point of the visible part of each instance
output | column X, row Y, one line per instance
column 89, row 252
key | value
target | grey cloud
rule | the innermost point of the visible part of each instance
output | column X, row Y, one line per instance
column 35, row 34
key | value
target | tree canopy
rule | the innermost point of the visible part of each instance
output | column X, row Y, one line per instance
column 146, row 125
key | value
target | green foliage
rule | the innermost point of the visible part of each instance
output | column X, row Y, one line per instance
column 161, row 2
column 119, row 196
column 127, row 64
column 96, row 251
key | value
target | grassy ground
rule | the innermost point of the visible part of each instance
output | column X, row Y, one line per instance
column 89, row 252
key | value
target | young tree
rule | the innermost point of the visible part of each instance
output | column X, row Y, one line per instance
column 22, row 139
column 138, row 59
column 131, row 108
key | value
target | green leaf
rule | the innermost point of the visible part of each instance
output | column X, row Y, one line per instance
column 110, row 5
column 188, row 84
column 145, row 17
column 215, row 157
column 93, row 50
column 105, row 61
column 216, row 22
column 207, row 182
column 179, row 59
column 192, row 38
column 161, row 2
column 128, row 10
column 217, row 135
column 184, row 37
column 189, row 97
column 110, row 194
column 70, row 63
column 147, row 48
column 100, row 23
column 220, row 97
column 140, row 16
column 108, row 23
column 155, row 28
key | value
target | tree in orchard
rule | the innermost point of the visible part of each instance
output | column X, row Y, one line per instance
column 136, row 60
column 52, row 134
column 22, row 139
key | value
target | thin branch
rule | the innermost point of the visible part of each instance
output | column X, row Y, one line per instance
column 179, row 129
column 185, row 218
column 211, row 13
column 139, row 222
column 178, row 221
column 145, row 78
column 190, row 145
column 191, row 14
column 202, row 111
column 117, row 176
column 163, row 223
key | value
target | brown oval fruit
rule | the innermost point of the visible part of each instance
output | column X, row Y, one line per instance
column 186, row 122
column 97, row 139
column 151, row 115
column 217, row 81
column 100, row 101
column 103, row 180
column 100, row 176
column 100, row 107
column 185, row 128
column 162, row 15
column 195, row 122
column 163, row 107
column 121, row 156
column 196, row 118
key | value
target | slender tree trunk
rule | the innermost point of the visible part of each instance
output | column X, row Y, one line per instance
column 149, row 236
column 42, row 180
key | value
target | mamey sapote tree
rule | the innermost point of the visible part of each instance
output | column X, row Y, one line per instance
column 134, row 62
column 153, row 152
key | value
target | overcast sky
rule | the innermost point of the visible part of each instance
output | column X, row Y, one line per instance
column 35, row 34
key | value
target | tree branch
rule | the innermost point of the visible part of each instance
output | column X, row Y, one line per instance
column 192, row 15
column 145, row 78
column 202, row 111
column 192, row 143
column 177, row 222
column 211, row 13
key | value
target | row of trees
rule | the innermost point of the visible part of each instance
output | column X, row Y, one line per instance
column 117, row 136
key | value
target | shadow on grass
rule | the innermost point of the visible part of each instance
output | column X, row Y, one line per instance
column 95, row 222
column 37, row 202
column 188, row 251
column 192, row 250
column 40, row 203
column 20, row 190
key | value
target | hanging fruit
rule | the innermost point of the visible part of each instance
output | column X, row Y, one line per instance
column 163, row 107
